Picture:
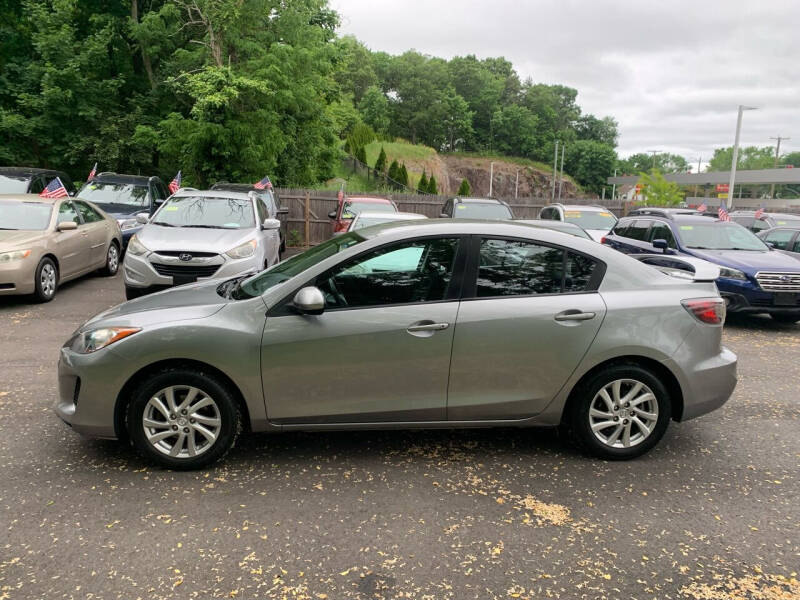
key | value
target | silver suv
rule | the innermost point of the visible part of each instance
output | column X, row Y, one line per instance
column 197, row 235
column 597, row 221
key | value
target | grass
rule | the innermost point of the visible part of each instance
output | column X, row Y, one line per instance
column 517, row 160
column 399, row 151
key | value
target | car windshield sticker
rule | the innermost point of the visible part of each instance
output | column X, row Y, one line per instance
column 461, row 206
column 686, row 227
column 572, row 213
column 171, row 207
column 605, row 214
column 781, row 222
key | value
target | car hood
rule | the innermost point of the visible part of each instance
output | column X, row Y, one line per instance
column 10, row 240
column 156, row 237
column 767, row 260
column 185, row 302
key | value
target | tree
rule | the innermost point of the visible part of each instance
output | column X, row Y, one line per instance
column 394, row 172
column 380, row 163
column 602, row 130
column 403, row 175
column 590, row 163
column 515, row 131
column 374, row 109
column 361, row 154
column 422, row 186
column 432, row 187
column 750, row 157
column 657, row 191
column 354, row 70
column 463, row 189
column 664, row 162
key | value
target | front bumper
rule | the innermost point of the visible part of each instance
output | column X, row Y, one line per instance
column 138, row 271
column 17, row 276
column 759, row 302
column 88, row 385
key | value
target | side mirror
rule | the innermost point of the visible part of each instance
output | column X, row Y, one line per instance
column 142, row 218
column 270, row 224
column 444, row 215
column 660, row 244
column 284, row 210
column 332, row 214
column 770, row 245
column 67, row 226
column 309, row 301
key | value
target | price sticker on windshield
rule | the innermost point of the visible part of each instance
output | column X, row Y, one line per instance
column 686, row 227
column 572, row 213
column 171, row 208
column 605, row 214
column 460, row 206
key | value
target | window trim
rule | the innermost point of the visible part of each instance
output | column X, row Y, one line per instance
column 69, row 201
column 470, row 285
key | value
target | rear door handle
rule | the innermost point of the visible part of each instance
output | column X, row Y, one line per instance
column 427, row 327
column 574, row 315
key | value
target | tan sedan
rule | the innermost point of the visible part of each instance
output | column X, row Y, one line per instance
column 47, row 241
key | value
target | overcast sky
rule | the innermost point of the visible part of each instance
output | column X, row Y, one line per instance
column 671, row 72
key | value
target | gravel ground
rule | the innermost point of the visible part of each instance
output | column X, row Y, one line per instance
column 713, row 512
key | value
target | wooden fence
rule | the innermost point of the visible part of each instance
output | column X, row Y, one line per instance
column 307, row 222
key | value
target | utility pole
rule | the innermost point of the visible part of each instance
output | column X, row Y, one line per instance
column 561, row 179
column 555, row 172
column 491, row 176
column 775, row 162
column 699, row 160
column 516, row 186
column 654, row 153
column 735, row 158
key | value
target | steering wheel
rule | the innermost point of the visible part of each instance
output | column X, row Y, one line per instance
column 340, row 299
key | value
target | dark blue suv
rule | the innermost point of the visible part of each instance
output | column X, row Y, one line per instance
column 753, row 277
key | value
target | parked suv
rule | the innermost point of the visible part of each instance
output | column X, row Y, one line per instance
column 476, row 208
column 753, row 277
column 747, row 218
column 268, row 195
column 124, row 196
column 349, row 207
column 596, row 220
column 27, row 180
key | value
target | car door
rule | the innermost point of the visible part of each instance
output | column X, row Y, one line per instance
column 269, row 238
column 96, row 230
column 72, row 247
column 380, row 351
column 529, row 314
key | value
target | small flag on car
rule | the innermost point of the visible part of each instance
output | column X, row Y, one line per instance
column 759, row 213
column 702, row 208
column 92, row 173
column 722, row 212
column 264, row 184
column 175, row 184
column 54, row 189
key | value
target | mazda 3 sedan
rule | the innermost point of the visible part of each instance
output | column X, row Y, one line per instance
column 430, row 324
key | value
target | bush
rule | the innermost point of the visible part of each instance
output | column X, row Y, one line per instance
column 403, row 175
column 463, row 189
column 380, row 164
column 432, row 188
column 361, row 154
column 394, row 173
column 422, row 186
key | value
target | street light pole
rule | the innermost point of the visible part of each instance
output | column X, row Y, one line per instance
column 555, row 171
column 561, row 178
column 516, row 186
column 654, row 153
column 491, row 177
column 735, row 158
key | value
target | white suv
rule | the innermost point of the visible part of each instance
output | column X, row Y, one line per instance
column 596, row 220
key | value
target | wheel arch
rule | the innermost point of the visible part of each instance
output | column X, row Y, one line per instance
column 124, row 395
column 659, row 369
column 54, row 258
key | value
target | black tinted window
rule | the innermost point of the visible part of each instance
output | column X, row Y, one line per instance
column 37, row 185
column 780, row 238
column 402, row 273
column 638, row 230
column 579, row 271
column 661, row 231
column 516, row 268
column 622, row 228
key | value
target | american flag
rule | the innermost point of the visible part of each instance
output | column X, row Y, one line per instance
column 722, row 213
column 175, row 184
column 54, row 189
column 92, row 173
column 702, row 208
column 263, row 184
column 759, row 213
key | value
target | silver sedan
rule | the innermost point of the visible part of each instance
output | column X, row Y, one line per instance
column 425, row 324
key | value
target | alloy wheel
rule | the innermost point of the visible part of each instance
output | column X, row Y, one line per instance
column 112, row 260
column 47, row 280
column 181, row 421
column 623, row 413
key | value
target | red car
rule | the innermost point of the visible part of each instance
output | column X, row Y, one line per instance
column 352, row 205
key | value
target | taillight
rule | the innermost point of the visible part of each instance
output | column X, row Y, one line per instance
column 706, row 310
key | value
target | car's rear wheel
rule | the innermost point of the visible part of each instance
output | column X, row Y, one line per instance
column 183, row 418
column 112, row 260
column 46, row 280
column 621, row 412
column 789, row 318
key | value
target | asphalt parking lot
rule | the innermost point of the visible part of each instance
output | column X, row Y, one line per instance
column 713, row 512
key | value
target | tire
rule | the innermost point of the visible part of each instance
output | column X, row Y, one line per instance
column 132, row 293
column 650, row 405
column 788, row 318
column 172, row 438
column 45, row 280
column 112, row 260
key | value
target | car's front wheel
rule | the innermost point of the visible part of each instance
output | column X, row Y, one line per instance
column 112, row 260
column 46, row 282
column 183, row 418
column 620, row 412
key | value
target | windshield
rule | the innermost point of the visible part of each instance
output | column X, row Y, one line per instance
column 352, row 208
column 794, row 221
column 591, row 219
column 126, row 194
column 205, row 211
column 482, row 210
column 719, row 236
column 10, row 184
column 258, row 284
column 25, row 215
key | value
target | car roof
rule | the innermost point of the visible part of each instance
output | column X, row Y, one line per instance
column 234, row 187
column 778, row 215
column 549, row 223
column 398, row 216
column 478, row 200
column 192, row 193
column 31, row 198
column 109, row 177
column 28, row 171
column 368, row 199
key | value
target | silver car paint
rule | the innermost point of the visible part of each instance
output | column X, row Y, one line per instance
column 643, row 318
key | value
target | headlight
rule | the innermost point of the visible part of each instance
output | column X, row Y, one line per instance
column 732, row 274
column 136, row 247
column 127, row 223
column 91, row 341
column 243, row 251
column 13, row 255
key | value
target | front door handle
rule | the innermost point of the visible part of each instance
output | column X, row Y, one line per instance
column 574, row 315
column 427, row 326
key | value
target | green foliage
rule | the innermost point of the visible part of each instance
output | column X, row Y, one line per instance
column 750, row 157
column 402, row 175
column 657, row 191
column 361, row 135
column 590, row 163
column 394, row 171
column 464, row 188
column 380, row 163
column 602, row 130
column 361, row 154
column 432, row 187
column 374, row 109
column 516, row 131
column 664, row 162
column 422, row 186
